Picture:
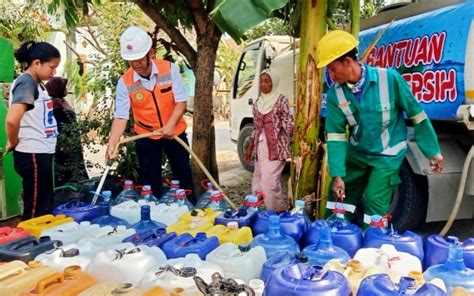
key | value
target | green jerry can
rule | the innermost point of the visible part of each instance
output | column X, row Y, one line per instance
column 10, row 182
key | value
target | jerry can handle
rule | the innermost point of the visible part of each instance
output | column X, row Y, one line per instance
column 15, row 267
column 55, row 277
column 26, row 242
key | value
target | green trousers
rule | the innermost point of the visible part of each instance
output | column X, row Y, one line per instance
column 371, row 186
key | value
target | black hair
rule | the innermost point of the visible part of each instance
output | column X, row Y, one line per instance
column 31, row 50
column 352, row 54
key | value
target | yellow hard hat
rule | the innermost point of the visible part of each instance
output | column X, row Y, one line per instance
column 334, row 45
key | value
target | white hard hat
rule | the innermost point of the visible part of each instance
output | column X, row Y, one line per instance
column 134, row 43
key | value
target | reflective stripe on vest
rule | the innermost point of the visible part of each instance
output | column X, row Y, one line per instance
column 344, row 106
column 336, row 137
column 386, row 109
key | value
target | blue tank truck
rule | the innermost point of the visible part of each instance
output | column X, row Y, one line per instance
column 432, row 44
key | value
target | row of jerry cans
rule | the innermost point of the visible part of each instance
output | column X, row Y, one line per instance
column 18, row 278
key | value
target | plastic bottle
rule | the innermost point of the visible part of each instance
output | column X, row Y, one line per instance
column 274, row 240
column 170, row 195
column 379, row 233
column 251, row 203
column 105, row 218
column 325, row 250
column 146, row 195
column 300, row 210
column 257, row 286
column 127, row 193
column 145, row 222
column 204, row 198
column 453, row 272
column 213, row 201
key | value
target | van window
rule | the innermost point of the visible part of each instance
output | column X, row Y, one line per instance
column 246, row 72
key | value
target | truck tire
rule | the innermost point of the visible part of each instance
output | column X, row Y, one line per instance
column 410, row 200
column 242, row 144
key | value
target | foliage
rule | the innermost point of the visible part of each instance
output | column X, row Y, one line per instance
column 23, row 22
column 370, row 8
column 272, row 26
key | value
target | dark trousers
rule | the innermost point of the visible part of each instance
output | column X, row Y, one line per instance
column 36, row 170
column 149, row 154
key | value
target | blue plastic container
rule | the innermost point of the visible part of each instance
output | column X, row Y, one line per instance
column 185, row 244
column 343, row 233
column 150, row 237
column 78, row 210
column 27, row 248
column 145, row 222
column 294, row 225
column 453, row 272
column 306, row 280
column 106, row 219
column 381, row 284
column 436, row 250
column 274, row 240
column 213, row 200
column 325, row 250
column 243, row 217
column 280, row 259
column 146, row 194
column 409, row 242
column 128, row 193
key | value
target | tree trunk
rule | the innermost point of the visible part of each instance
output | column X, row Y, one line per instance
column 355, row 18
column 306, row 145
column 203, row 143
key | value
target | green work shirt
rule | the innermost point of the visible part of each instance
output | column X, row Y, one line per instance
column 377, row 129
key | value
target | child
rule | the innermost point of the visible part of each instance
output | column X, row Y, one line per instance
column 31, row 126
column 270, row 141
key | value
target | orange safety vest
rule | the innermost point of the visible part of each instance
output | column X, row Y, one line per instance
column 152, row 109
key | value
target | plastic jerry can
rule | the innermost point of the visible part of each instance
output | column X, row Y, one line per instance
column 352, row 271
column 344, row 234
column 194, row 226
column 377, row 235
column 239, row 262
column 69, row 255
column 294, row 225
column 125, row 265
column 179, row 273
column 128, row 210
column 453, row 272
column 231, row 233
column 151, row 238
column 69, row 283
column 111, row 288
column 16, row 276
column 280, row 259
column 381, row 284
column 9, row 234
column 185, row 244
column 274, row 240
column 388, row 260
column 71, row 232
column 37, row 225
column 27, row 248
column 207, row 214
column 436, row 250
column 158, row 291
column 243, row 217
column 167, row 214
column 325, row 250
column 108, row 235
column 305, row 280
column 78, row 210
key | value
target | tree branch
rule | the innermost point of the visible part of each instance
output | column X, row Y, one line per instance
column 181, row 42
column 200, row 16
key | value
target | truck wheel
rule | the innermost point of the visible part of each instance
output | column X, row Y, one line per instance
column 242, row 144
column 410, row 200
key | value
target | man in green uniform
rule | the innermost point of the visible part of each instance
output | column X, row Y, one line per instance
column 365, row 162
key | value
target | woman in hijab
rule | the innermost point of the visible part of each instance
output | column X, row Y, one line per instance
column 69, row 161
column 270, row 141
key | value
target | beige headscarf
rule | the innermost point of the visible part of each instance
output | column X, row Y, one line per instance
column 266, row 102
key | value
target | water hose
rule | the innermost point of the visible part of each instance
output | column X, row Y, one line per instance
column 462, row 186
column 185, row 146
